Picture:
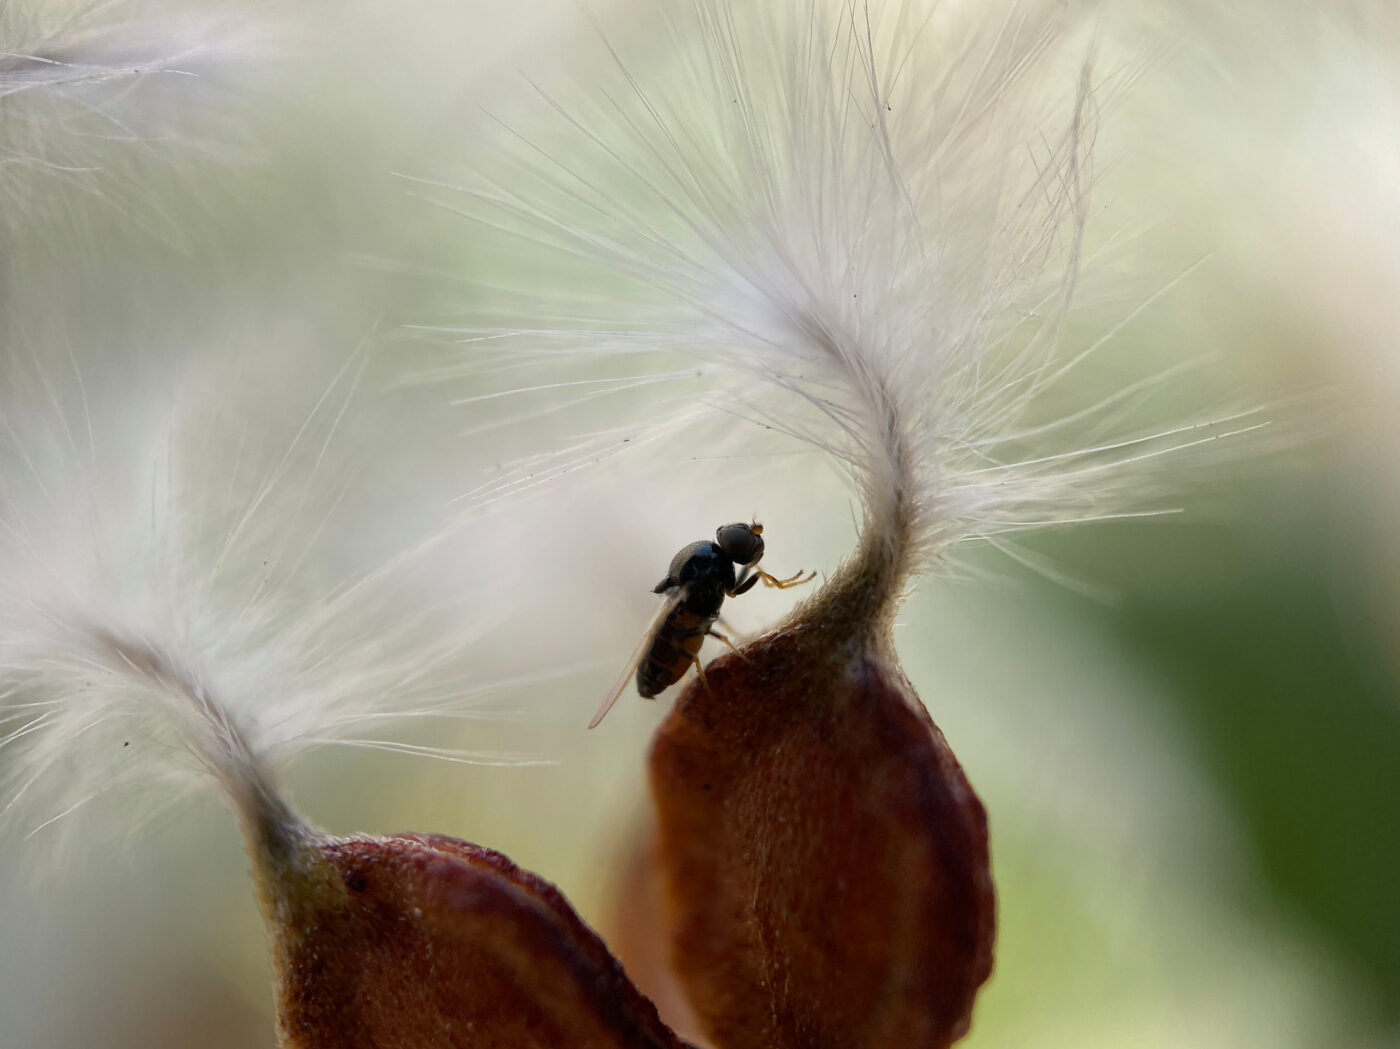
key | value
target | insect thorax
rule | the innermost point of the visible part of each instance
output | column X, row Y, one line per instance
column 706, row 573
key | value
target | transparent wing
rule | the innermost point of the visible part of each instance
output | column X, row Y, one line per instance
column 673, row 598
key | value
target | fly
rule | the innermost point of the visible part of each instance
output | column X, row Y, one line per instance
column 701, row 576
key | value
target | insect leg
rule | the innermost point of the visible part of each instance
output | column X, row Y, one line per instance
column 701, row 672
column 716, row 633
column 745, row 584
column 796, row 579
column 730, row 629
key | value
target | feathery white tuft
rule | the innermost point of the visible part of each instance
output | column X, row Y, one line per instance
column 873, row 208
column 170, row 609
column 98, row 98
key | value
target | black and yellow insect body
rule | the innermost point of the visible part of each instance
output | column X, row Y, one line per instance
column 701, row 576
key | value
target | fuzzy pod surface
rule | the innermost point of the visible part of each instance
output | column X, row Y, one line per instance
column 427, row 942
column 637, row 929
column 827, row 860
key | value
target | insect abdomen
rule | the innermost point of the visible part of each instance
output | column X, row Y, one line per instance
column 674, row 650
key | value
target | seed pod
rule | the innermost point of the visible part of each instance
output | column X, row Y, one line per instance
column 826, row 858
column 636, row 927
column 427, row 942
column 877, row 220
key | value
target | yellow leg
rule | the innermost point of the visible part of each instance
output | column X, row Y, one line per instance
column 796, row 579
column 730, row 629
column 700, row 671
column 716, row 633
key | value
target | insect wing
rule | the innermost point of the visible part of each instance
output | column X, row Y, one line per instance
column 673, row 599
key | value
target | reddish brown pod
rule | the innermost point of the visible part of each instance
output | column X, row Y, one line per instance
column 427, row 942
column 636, row 928
column 826, row 859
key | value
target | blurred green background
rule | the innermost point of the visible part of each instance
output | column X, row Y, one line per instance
column 1186, row 728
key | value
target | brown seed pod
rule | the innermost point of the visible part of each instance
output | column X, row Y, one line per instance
column 636, row 929
column 401, row 942
column 427, row 942
column 826, row 858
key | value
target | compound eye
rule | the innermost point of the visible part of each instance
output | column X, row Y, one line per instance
column 740, row 543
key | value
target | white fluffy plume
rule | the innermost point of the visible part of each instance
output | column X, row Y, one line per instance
column 176, row 602
column 873, row 208
column 99, row 99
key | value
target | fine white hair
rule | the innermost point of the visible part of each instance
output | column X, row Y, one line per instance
column 875, row 209
column 99, row 100
column 177, row 606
